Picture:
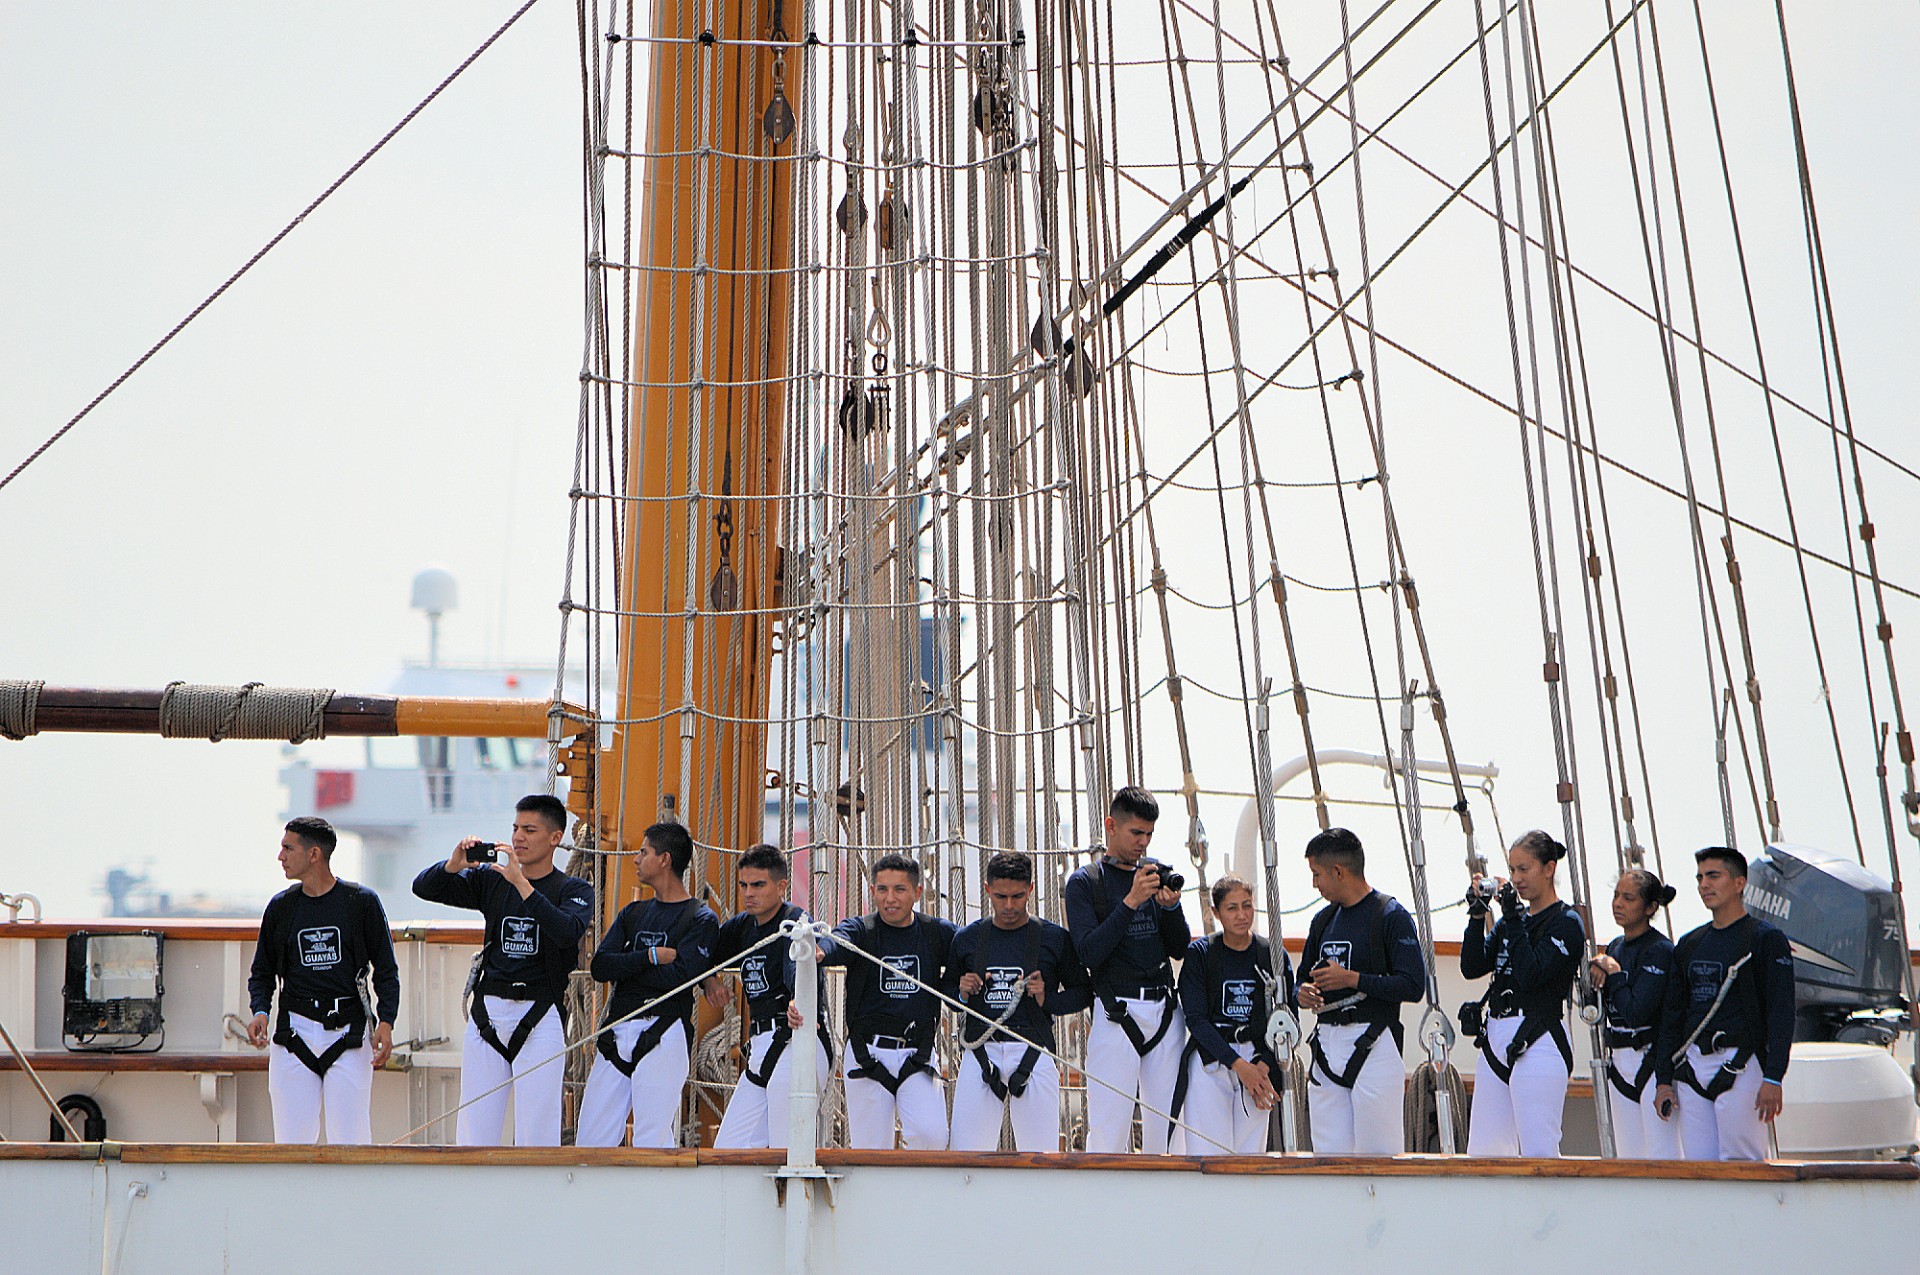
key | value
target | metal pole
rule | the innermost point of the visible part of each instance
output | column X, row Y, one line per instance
column 39, row 1084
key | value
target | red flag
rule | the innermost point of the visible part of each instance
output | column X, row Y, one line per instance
column 332, row 788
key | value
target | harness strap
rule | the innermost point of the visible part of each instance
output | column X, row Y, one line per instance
column 1015, row 1083
column 1531, row 1030
column 648, row 1041
column 1728, row 1072
column 1632, row 1089
column 1355, row 1061
column 871, row 1068
column 1142, row 1043
column 289, row 1040
column 483, row 1023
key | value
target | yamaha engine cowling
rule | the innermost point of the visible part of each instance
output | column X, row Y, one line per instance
column 1848, row 950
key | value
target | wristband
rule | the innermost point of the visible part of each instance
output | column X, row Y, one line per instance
column 653, row 956
column 1775, row 1083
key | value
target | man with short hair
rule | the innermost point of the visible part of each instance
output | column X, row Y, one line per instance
column 1127, row 929
column 757, row 1114
column 1362, row 962
column 1021, row 972
column 516, row 1029
column 318, row 939
column 1728, row 1026
column 891, row 1017
column 652, row 947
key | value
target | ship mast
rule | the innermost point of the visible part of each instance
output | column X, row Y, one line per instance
column 700, row 544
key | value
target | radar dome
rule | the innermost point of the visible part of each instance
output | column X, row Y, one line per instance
column 435, row 591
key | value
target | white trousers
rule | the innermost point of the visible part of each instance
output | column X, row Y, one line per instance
column 1148, row 1079
column 758, row 1117
column 536, row 1083
column 299, row 1096
column 1520, row 1116
column 1638, row 1131
column 1218, row 1106
column 977, row 1113
column 1368, row 1119
column 920, row 1107
column 1728, row 1128
column 651, row 1094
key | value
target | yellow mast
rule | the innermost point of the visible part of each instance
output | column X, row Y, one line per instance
column 700, row 545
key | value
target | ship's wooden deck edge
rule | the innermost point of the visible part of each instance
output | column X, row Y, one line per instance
column 1413, row 1166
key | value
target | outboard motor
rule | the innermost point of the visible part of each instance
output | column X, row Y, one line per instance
column 1849, row 953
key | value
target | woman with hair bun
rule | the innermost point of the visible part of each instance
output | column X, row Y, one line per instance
column 1631, row 976
column 1533, row 952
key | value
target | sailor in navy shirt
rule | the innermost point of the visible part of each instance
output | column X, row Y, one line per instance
column 1227, row 991
column 1128, row 930
column 1533, row 952
column 1019, row 971
column 757, row 1114
column 654, row 946
column 516, row 1029
column 1362, row 963
column 1727, row 1030
column 891, row 1018
column 1632, row 977
column 318, row 940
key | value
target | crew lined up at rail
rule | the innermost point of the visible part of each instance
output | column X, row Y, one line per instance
column 1697, row 1035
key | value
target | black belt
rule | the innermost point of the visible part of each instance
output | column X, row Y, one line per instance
column 1146, row 992
column 1728, row 1071
column 767, row 1023
column 1629, row 1037
column 332, row 1012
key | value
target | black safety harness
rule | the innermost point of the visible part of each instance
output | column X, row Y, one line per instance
column 776, row 1023
column 1714, row 1042
column 655, row 1031
column 1381, row 959
column 331, row 1013
column 1247, row 1033
column 1142, row 1043
column 917, row 1039
column 1632, row 1038
column 1532, row 1026
column 1014, row 1083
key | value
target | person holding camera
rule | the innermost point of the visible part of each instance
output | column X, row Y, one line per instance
column 1123, row 911
column 318, row 939
column 1533, row 952
column 757, row 1111
column 1727, row 1031
column 1363, row 962
column 891, row 1017
column 1227, row 989
column 653, row 946
column 1020, row 971
column 1631, row 977
column 516, row 1027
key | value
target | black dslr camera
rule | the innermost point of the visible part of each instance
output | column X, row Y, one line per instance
column 1169, row 879
column 485, row 852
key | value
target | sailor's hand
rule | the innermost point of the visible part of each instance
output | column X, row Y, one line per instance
column 509, row 867
column 1600, row 967
column 1664, row 1101
column 665, row 955
column 1037, row 987
column 1335, row 977
column 382, row 1045
column 458, row 861
column 1253, row 1077
column 1769, row 1101
column 716, row 992
column 1146, row 885
column 793, row 1015
column 1168, row 898
column 257, row 1031
column 970, row 984
column 1310, row 998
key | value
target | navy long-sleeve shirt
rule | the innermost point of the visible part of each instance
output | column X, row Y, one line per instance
column 1636, row 996
column 1533, row 958
column 1235, row 1002
column 1377, row 938
column 1003, row 959
column 1757, row 1012
column 1132, row 946
column 533, row 943
column 767, row 974
column 689, row 927
column 881, row 1004
column 319, row 946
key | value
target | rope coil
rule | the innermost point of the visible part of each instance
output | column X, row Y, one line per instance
column 19, row 700
column 296, row 714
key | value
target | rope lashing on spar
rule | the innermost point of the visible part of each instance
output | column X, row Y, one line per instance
column 296, row 714
column 19, row 702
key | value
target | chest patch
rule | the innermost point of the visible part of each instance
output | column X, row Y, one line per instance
column 519, row 937
column 1237, row 999
column 319, row 947
column 896, row 980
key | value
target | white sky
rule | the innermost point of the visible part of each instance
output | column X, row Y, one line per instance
column 396, row 385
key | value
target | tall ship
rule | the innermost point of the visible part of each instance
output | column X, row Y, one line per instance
column 985, row 406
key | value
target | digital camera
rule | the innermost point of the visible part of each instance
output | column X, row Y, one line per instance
column 1169, row 879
